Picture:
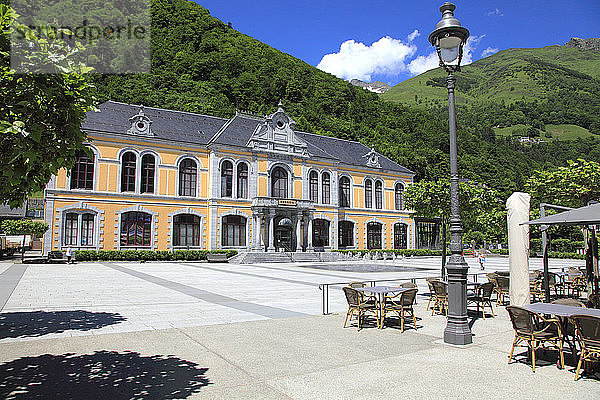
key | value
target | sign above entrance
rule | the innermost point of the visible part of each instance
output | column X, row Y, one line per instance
column 287, row 202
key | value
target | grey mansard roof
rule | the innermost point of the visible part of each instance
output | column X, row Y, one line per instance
column 177, row 126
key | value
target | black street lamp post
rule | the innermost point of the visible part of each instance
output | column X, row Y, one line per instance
column 448, row 38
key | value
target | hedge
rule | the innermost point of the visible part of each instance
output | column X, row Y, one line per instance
column 558, row 245
column 398, row 252
column 146, row 255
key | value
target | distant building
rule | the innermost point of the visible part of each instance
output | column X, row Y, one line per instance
column 161, row 180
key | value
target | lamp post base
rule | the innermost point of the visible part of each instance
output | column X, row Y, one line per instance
column 457, row 329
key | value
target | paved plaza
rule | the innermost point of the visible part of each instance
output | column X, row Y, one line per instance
column 186, row 329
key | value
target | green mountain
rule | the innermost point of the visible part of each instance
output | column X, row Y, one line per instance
column 557, row 85
column 200, row 64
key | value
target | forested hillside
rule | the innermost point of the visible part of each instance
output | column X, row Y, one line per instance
column 199, row 64
column 552, row 85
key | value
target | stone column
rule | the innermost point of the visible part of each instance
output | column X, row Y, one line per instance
column 299, row 235
column 271, row 247
column 255, row 231
column 309, row 246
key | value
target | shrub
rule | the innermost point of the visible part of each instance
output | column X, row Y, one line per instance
column 399, row 252
column 147, row 255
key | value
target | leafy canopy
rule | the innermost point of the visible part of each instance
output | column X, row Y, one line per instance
column 40, row 114
column 481, row 208
column 574, row 185
column 24, row 227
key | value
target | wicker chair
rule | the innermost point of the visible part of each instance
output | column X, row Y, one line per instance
column 441, row 296
column 408, row 285
column 492, row 278
column 483, row 298
column 502, row 288
column 431, row 292
column 355, row 285
column 536, row 291
column 535, row 331
column 594, row 301
column 568, row 327
column 402, row 305
column 357, row 305
column 587, row 328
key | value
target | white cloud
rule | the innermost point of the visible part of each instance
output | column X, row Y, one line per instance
column 424, row 63
column 494, row 13
column 413, row 35
column 431, row 61
column 489, row 51
column 355, row 60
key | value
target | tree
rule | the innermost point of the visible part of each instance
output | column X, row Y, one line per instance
column 574, row 185
column 480, row 208
column 24, row 227
column 40, row 114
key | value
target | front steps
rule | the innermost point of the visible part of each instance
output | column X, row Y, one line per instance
column 282, row 257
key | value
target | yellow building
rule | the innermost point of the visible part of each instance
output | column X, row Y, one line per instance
column 163, row 180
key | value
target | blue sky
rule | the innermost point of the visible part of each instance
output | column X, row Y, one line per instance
column 387, row 40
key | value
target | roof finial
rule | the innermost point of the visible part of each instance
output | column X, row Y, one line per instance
column 280, row 105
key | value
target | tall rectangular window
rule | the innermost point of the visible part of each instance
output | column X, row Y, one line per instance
column 82, row 174
column 87, row 229
column 326, row 187
column 70, row 231
column 148, row 173
column 314, row 186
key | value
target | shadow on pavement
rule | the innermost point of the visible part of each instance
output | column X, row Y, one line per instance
column 39, row 323
column 101, row 375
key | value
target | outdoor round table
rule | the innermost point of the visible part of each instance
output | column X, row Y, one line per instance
column 380, row 292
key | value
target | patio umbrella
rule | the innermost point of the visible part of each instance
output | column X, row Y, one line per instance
column 588, row 215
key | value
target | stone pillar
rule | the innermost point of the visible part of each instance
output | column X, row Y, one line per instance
column 255, row 231
column 299, row 235
column 309, row 246
column 271, row 247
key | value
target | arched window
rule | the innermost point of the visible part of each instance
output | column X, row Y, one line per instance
column 368, row 194
column 242, row 181
column 148, row 167
column 234, row 231
column 326, row 187
column 313, row 186
column 346, row 234
column 400, row 230
column 320, row 233
column 186, row 230
column 344, row 191
column 187, row 177
column 136, row 228
column 398, row 190
column 128, row 161
column 373, row 235
column 82, row 174
column 70, row 231
column 279, row 184
column 226, row 179
column 378, row 195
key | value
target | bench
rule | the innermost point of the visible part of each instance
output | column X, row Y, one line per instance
column 55, row 256
column 216, row 257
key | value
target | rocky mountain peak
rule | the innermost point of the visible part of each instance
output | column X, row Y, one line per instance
column 376, row 87
column 584, row 44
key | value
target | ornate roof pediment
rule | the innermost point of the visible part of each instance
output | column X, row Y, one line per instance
column 140, row 124
column 276, row 134
column 372, row 159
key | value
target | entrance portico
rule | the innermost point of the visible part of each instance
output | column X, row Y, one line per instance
column 282, row 224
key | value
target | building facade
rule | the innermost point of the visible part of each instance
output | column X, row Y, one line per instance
column 158, row 179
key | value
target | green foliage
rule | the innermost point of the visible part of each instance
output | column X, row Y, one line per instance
column 574, row 185
column 24, row 227
column 40, row 117
column 398, row 252
column 146, row 255
column 199, row 64
column 481, row 208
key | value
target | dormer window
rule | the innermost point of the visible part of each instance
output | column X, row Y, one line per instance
column 140, row 124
